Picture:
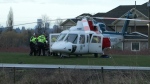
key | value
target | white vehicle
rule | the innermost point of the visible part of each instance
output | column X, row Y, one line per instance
column 88, row 37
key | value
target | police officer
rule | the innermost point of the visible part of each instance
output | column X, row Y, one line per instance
column 33, row 42
column 41, row 43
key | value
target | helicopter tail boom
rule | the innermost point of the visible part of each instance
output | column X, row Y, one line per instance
column 126, row 24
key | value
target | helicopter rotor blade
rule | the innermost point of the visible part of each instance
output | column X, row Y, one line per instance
column 37, row 22
column 111, row 18
column 107, row 18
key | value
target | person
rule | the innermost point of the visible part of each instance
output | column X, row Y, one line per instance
column 82, row 39
column 41, row 44
column 53, row 39
column 46, row 46
column 95, row 39
column 33, row 42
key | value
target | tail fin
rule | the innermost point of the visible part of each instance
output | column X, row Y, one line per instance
column 85, row 25
column 89, row 26
column 126, row 23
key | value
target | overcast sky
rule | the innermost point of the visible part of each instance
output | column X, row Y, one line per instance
column 30, row 10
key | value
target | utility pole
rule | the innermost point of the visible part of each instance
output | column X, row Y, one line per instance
column 135, row 21
column 148, row 4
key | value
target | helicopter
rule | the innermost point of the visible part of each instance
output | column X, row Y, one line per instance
column 89, row 37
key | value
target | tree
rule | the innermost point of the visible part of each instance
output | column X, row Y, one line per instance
column 58, row 21
column 10, row 20
column 45, row 20
column 43, row 25
column 39, row 29
column 57, row 29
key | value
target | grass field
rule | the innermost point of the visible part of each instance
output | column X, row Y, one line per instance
column 73, row 76
column 134, row 60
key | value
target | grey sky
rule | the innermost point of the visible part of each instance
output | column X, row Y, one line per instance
column 30, row 10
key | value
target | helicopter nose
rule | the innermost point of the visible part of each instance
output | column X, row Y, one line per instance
column 65, row 47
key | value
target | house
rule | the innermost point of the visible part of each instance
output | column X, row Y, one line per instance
column 137, row 33
column 120, row 11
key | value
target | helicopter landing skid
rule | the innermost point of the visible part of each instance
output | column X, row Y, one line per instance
column 105, row 56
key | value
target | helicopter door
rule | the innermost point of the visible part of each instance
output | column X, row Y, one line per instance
column 83, row 45
column 95, row 45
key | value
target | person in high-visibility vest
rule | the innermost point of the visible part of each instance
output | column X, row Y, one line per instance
column 41, row 42
column 33, row 42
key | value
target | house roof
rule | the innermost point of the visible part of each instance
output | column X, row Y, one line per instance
column 99, row 14
column 121, row 10
column 75, row 20
column 72, row 20
column 85, row 14
column 143, row 8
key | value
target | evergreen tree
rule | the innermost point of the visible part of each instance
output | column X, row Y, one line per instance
column 10, row 20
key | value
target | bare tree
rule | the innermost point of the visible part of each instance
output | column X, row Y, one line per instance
column 58, row 21
column 57, row 29
column 39, row 29
column 46, row 23
column 45, row 19
column 10, row 20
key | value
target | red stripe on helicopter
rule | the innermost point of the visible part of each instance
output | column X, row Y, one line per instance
column 84, row 20
column 97, row 32
column 93, row 28
column 86, row 28
column 106, row 43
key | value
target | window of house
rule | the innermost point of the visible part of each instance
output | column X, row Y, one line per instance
column 135, row 46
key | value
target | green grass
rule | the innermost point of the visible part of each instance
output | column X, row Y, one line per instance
column 121, row 60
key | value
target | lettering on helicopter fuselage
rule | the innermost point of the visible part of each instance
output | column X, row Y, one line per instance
column 81, row 47
column 113, row 39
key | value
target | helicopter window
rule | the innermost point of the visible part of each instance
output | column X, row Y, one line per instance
column 61, row 37
column 87, row 39
column 72, row 38
column 54, row 38
column 95, row 28
column 90, row 35
column 96, row 39
column 82, row 39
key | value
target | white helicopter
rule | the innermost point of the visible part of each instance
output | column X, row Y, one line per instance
column 88, row 37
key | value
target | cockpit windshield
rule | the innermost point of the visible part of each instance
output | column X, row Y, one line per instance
column 61, row 37
column 72, row 38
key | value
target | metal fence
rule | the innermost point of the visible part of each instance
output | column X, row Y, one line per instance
column 72, row 74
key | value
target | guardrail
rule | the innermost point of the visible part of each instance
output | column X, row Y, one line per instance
column 50, row 66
